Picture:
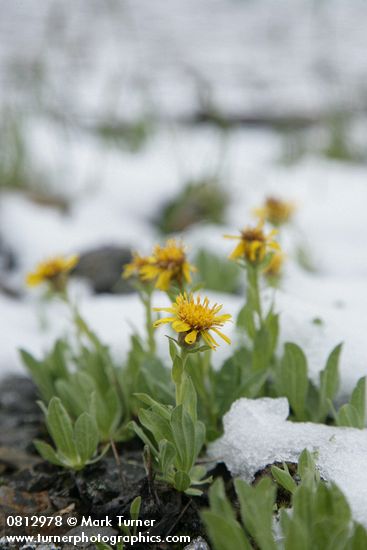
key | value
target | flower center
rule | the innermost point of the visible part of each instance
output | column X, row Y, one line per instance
column 197, row 316
column 170, row 258
column 253, row 235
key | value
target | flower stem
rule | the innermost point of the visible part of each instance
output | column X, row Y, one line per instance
column 178, row 374
column 253, row 291
column 147, row 301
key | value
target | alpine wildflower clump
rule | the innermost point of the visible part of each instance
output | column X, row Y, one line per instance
column 276, row 211
column 254, row 244
column 168, row 264
column 54, row 271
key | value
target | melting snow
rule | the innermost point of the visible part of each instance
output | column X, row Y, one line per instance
column 257, row 433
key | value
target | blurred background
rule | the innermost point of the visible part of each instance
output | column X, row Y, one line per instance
column 125, row 121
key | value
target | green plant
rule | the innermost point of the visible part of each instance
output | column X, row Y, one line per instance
column 353, row 414
column 173, row 435
column 85, row 381
column 45, row 372
column 173, row 438
column 307, row 401
column 131, row 136
column 75, row 444
column 203, row 200
column 216, row 273
column 320, row 516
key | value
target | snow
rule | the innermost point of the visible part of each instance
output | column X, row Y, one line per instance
column 35, row 325
column 297, row 55
column 257, row 433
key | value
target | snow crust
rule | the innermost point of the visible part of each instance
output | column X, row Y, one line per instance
column 257, row 433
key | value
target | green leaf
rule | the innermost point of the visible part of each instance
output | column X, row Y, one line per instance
column 292, row 379
column 219, row 503
column 177, row 370
column 329, row 382
column 256, row 505
column 217, row 272
column 181, row 481
column 359, row 538
column 189, row 397
column 225, row 534
column 262, row 350
column 296, row 533
column 86, row 436
column 58, row 360
column 272, row 325
column 183, row 431
column 135, row 511
column 158, row 425
column 246, row 321
column 39, row 374
column 307, row 466
column 162, row 409
column 200, row 433
column 358, row 400
column 145, row 439
column 47, row 452
column 172, row 349
column 348, row 416
column 283, row 478
column 61, row 429
column 106, row 410
column 167, row 455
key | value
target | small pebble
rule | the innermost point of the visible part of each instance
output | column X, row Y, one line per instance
column 197, row 544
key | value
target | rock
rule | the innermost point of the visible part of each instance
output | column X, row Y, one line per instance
column 102, row 268
column 20, row 416
column 197, row 544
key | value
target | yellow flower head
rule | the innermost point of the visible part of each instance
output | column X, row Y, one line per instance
column 54, row 271
column 193, row 319
column 133, row 269
column 254, row 244
column 276, row 211
column 168, row 263
column 275, row 265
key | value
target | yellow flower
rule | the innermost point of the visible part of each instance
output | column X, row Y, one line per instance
column 193, row 319
column 276, row 211
column 254, row 244
column 54, row 270
column 168, row 263
column 275, row 266
column 135, row 266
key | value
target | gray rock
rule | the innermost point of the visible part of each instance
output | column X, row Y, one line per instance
column 197, row 544
column 102, row 268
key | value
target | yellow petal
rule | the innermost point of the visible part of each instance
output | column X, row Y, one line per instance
column 232, row 236
column 209, row 339
column 190, row 338
column 186, row 271
column 238, row 252
column 163, row 321
column 71, row 262
column 33, row 279
column 149, row 272
column 167, row 309
column 223, row 318
column 164, row 280
column 225, row 338
column 180, row 326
